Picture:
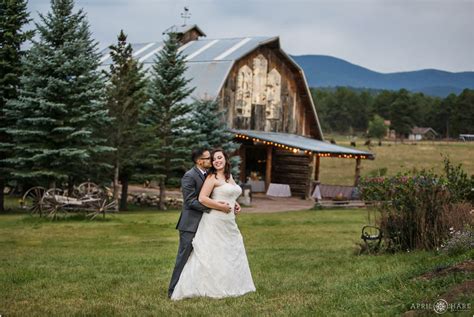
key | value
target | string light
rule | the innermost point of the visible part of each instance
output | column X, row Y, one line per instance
column 296, row 150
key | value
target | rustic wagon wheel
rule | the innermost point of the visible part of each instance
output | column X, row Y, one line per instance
column 104, row 205
column 49, row 204
column 32, row 198
column 88, row 189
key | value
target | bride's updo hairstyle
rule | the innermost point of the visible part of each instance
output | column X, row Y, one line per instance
column 213, row 170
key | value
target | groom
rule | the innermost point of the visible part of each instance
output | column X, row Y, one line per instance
column 192, row 212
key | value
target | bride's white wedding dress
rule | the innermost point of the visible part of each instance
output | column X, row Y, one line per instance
column 218, row 265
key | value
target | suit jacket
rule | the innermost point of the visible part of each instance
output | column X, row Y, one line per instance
column 191, row 215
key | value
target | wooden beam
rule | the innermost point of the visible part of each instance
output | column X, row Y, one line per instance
column 316, row 170
column 312, row 171
column 268, row 171
column 242, row 164
column 357, row 171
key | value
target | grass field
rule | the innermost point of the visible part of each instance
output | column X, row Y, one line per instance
column 303, row 264
column 397, row 157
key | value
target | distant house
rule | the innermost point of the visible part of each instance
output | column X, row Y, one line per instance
column 418, row 133
column 267, row 102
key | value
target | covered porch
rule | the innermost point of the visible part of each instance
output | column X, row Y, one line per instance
column 275, row 157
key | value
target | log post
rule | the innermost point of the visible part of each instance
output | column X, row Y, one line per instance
column 316, row 170
column 268, row 171
column 311, row 175
column 357, row 172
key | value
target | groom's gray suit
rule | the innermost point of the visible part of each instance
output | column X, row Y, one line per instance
column 188, row 222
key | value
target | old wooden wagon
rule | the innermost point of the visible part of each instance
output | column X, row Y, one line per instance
column 87, row 197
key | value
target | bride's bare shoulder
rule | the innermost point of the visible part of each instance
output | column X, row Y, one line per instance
column 213, row 180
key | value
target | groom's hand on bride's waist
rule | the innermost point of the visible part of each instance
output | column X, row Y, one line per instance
column 225, row 207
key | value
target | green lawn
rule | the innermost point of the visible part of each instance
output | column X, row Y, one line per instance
column 303, row 264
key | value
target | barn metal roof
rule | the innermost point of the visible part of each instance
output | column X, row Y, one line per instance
column 304, row 143
column 202, row 50
column 208, row 60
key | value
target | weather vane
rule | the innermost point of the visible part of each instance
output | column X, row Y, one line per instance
column 185, row 15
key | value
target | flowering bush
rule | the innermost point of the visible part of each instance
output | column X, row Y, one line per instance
column 417, row 211
column 460, row 241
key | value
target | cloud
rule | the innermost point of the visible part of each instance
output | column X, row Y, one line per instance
column 383, row 35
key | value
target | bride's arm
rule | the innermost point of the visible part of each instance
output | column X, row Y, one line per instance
column 204, row 196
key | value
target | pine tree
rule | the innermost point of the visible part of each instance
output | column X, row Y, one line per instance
column 401, row 114
column 13, row 16
column 60, row 108
column 125, row 97
column 167, row 119
column 211, row 130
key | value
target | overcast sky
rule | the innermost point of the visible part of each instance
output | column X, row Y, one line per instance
column 382, row 35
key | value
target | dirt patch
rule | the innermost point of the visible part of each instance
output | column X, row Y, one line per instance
column 454, row 293
column 170, row 192
column 261, row 203
column 463, row 267
column 465, row 288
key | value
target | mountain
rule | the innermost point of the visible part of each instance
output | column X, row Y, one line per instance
column 328, row 71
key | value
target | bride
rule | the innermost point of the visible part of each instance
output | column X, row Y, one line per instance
column 218, row 266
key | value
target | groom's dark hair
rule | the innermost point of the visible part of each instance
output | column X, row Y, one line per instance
column 197, row 153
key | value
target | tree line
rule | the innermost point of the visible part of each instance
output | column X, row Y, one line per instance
column 63, row 120
column 344, row 110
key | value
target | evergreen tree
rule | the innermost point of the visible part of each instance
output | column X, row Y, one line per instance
column 13, row 16
column 446, row 114
column 320, row 98
column 402, row 114
column 211, row 130
column 125, row 97
column 463, row 122
column 60, row 107
column 338, row 113
column 167, row 119
column 382, row 103
column 360, row 110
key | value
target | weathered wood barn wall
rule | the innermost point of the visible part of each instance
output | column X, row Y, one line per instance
column 266, row 92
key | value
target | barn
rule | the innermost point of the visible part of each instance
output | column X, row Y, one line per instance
column 268, row 106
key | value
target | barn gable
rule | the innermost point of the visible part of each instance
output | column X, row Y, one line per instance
column 282, row 98
column 267, row 91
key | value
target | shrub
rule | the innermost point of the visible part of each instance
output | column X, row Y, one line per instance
column 460, row 241
column 417, row 211
column 461, row 186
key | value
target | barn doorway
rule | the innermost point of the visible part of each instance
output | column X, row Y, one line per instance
column 255, row 167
